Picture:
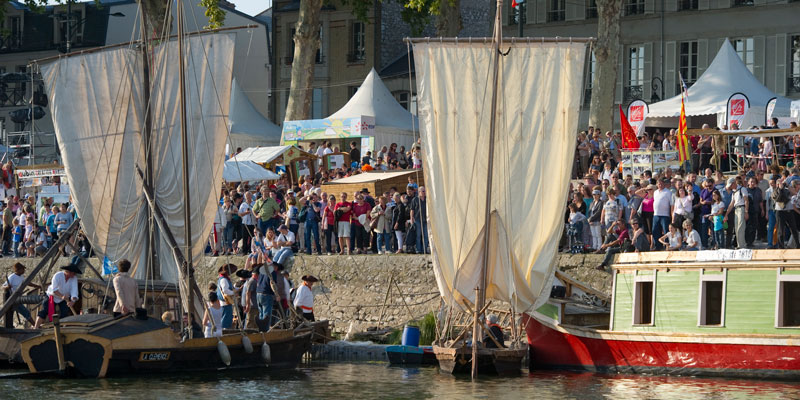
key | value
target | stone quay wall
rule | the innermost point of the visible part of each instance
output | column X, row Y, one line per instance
column 353, row 291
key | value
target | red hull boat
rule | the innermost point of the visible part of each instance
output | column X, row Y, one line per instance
column 754, row 356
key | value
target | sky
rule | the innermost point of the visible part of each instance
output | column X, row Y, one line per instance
column 251, row 7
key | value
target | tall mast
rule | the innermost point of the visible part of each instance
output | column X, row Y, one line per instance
column 481, row 300
column 185, row 161
column 154, row 273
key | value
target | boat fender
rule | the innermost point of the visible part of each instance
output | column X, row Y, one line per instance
column 224, row 354
column 266, row 354
column 247, row 344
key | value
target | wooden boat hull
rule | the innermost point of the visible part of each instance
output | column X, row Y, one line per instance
column 747, row 356
column 490, row 361
column 10, row 350
column 100, row 354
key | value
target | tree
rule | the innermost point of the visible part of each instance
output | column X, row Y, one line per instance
column 606, row 51
column 306, row 40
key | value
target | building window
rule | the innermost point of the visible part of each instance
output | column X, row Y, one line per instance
column 587, row 94
column 556, row 10
column 742, row 3
column 12, row 39
column 591, row 9
column 789, row 303
column 643, row 299
column 316, row 103
column 634, row 7
column 794, row 65
column 686, row 5
column 351, row 91
column 634, row 88
column 687, row 64
column 712, row 300
column 357, row 43
column 320, row 57
column 289, row 57
column 744, row 48
column 69, row 26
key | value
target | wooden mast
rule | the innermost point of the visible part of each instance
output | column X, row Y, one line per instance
column 187, row 214
column 481, row 290
column 155, row 273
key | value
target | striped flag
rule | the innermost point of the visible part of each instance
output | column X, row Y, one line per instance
column 683, row 139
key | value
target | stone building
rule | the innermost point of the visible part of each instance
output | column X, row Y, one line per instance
column 660, row 39
column 350, row 48
column 32, row 36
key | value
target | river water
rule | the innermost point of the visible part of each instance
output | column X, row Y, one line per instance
column 378, row 381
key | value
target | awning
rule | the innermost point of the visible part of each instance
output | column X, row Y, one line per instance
column 246, row 171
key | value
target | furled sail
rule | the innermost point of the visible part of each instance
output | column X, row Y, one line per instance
column 98, row 116
column 539, row 97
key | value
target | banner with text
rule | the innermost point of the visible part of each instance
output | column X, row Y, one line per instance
column 738, row 104
column 637, row 113
column 770, row 110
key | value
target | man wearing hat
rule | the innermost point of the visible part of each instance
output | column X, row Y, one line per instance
column 304, row 299
column 12, row 284
column 226, row 294
column 285, row 241
column 61, row 294
column 740, row 203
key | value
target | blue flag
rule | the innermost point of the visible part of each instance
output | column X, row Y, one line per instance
column 109, row 268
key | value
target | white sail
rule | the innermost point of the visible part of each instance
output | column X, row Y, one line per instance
column 538, row 106
column 98, row 117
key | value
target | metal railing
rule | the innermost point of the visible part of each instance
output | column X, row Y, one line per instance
column 793, row 84
column 631, row 93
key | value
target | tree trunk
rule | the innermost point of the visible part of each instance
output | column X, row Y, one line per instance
column 154, row 11
column 448, row 22
column 606, row 51
column 306, row 43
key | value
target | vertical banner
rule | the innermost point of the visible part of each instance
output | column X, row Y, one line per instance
column 770, row 109
column 738, row 104
column 637, row 113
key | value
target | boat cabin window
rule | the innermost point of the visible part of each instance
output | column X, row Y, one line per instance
column 644, row 295
column 789, row 304
column 711, row 302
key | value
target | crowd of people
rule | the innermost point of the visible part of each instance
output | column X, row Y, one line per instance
column 692, row 208
column 277, row 220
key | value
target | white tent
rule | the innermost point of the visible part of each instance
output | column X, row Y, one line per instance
column 796, row 110
column 247, row 126
column 393, row 123
column 260, row 154
column 246, row 171
column 709, row 95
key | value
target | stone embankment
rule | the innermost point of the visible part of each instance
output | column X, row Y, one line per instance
column 359, row 292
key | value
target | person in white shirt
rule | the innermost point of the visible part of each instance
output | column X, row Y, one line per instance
column 739, row 205
column 304, row 299
column 663, row 202
column 672, row 240
column 691, row 237
column 285, row 241
column 62, row 292
column 12, row 284
column 248, row 221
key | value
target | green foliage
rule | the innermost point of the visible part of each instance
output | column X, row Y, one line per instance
column 416, row 13
column 216, row 15
column 427, row 330
column 395, row 337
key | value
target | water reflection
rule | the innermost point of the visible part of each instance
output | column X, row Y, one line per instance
column 377, row 380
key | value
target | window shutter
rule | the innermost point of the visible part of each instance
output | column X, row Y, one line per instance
column 671, row 5
column 541, row 11
column 703, row 4
column 781, row 58
column 649, row 6
column 621, row 65
column 702, row 56
column 758, row 57
column 648, row 72
column 671, row 68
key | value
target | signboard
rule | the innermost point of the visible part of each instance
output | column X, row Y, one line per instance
column 328, row 128
column 335, row 161
column 725, row 255
column 635, row 162
column 770, row 110
column 56, row 170
column 738, row 104
column 637, row 113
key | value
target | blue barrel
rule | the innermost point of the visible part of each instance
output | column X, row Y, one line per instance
column 410, row 336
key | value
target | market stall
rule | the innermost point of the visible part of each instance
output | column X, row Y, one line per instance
column 296, row 161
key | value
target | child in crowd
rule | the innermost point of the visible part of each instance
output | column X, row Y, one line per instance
column 716, row 216
column 17, row 239
column 672, row 239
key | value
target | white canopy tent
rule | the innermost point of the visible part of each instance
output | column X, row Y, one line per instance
column 709, row 95
column 796, row 110
column 260, row 154
column 393, row 123
column 246, row 171
column 247, row 126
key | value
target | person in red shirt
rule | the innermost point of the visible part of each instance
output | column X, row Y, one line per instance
column 329, row 223
column 359, row 237
column 345, row 209
column 617, row 233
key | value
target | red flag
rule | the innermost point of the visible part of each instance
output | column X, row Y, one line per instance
column 629, row 141
column 683, row 139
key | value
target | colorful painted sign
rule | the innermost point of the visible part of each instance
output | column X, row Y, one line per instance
column 329, row 128
column 637, row 113
column 738, row 104
column 40, row 172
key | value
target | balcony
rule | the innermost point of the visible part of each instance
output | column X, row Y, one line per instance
column 631, row 93
column 793, row 86
column 10, row 42
column 634, row 8
column 687, row 5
